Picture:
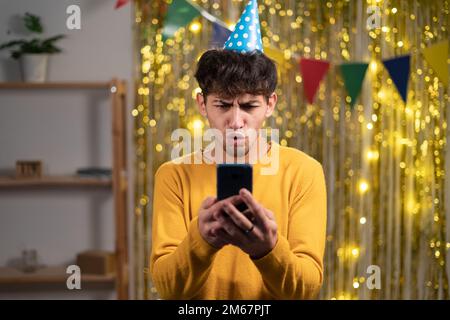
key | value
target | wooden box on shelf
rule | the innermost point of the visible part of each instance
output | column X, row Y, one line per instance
column 96, row 262
column 28, row 169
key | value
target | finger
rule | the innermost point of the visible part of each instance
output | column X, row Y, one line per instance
column 218, row 231
column 209, row 201
column 225, row 237
column 218, row 206
column 236, row 199
column 238, row 218
column 269, row 214
column 220, row 241
column 233, row 231
column 249, row 215
column 254, row 206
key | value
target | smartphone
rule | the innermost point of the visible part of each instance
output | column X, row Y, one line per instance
column 231, row 178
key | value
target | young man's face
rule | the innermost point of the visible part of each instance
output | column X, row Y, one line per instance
column 233, row 117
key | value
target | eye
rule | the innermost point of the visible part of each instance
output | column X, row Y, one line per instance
column 248, row 106
column 223, row 105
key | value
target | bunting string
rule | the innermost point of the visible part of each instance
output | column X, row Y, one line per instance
column 181, row 12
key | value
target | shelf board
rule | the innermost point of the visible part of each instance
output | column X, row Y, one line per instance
column 54, row 181
column 55, row 85
column 48, row 275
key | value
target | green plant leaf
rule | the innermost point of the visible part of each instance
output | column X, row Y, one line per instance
column 53, row 39
column 32, row 46
column 33, row 23
column 11, row 44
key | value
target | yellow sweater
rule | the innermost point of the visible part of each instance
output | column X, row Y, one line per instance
column 184, row 266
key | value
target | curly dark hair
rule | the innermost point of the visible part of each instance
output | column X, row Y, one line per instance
column 230, row 74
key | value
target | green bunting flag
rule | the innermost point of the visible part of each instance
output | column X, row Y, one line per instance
column 179, row 14
column 353, row 74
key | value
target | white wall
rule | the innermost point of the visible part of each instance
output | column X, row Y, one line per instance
column 66, row 129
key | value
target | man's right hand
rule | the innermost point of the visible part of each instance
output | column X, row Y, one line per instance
column 209, row 219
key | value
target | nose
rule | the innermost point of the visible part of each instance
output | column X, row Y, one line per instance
column 236, row 121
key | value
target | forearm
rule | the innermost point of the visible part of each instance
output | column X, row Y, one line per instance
column 290, row 276
column 181, row 273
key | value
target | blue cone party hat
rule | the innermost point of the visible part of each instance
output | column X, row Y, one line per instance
column 246, row 36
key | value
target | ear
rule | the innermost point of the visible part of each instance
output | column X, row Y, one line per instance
column 201, row 104
column 271, row 104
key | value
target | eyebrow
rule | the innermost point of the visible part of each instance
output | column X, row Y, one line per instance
column 242, row 103
column 223, row 101
column 248, row 102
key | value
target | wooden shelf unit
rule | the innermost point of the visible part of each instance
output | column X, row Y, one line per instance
column 48, row 275
column 54, row 181
column 56, row 85
column 117, row 91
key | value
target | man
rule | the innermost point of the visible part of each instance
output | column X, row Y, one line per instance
column 203, row 248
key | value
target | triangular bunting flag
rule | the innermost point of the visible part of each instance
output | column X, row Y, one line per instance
column 312, row 72
column 353, row 74
column 277, row 56
column 436, row 57
column 219, row 36
column 121, row 3
column 398, row 69
column 179, row 14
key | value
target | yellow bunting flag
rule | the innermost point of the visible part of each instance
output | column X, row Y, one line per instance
column 436, row 56
column 277, row 56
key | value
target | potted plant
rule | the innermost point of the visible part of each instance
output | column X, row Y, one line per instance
column 33, row 54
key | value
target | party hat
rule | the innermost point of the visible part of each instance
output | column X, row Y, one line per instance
column 246, row 36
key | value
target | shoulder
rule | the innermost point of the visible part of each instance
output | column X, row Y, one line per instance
column 176, row 166
column 291, row 157
column 305, row 172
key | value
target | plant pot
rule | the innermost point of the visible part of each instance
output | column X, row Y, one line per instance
column 34, row 67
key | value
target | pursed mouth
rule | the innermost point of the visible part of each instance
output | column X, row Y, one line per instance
column 235, row 136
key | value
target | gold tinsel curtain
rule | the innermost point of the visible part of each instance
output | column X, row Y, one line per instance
column 384, row 161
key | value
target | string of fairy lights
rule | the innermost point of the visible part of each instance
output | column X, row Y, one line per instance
column 384, row 160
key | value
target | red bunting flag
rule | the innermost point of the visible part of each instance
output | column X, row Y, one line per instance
column 121, row 3
column 312, row 72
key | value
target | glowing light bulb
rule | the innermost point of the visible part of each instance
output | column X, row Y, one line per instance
column 373, row 66
column 197, row 124
column 195, row 27
column 372, row 155
column 355, row 252
column 363, row 186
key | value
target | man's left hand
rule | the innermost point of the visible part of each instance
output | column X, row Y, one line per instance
column 254, row 231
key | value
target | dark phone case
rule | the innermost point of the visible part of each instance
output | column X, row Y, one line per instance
column 231, row 178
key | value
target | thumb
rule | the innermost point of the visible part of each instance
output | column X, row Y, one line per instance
column 208, row 202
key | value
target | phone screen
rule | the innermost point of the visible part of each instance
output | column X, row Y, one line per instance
column 231, row 178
